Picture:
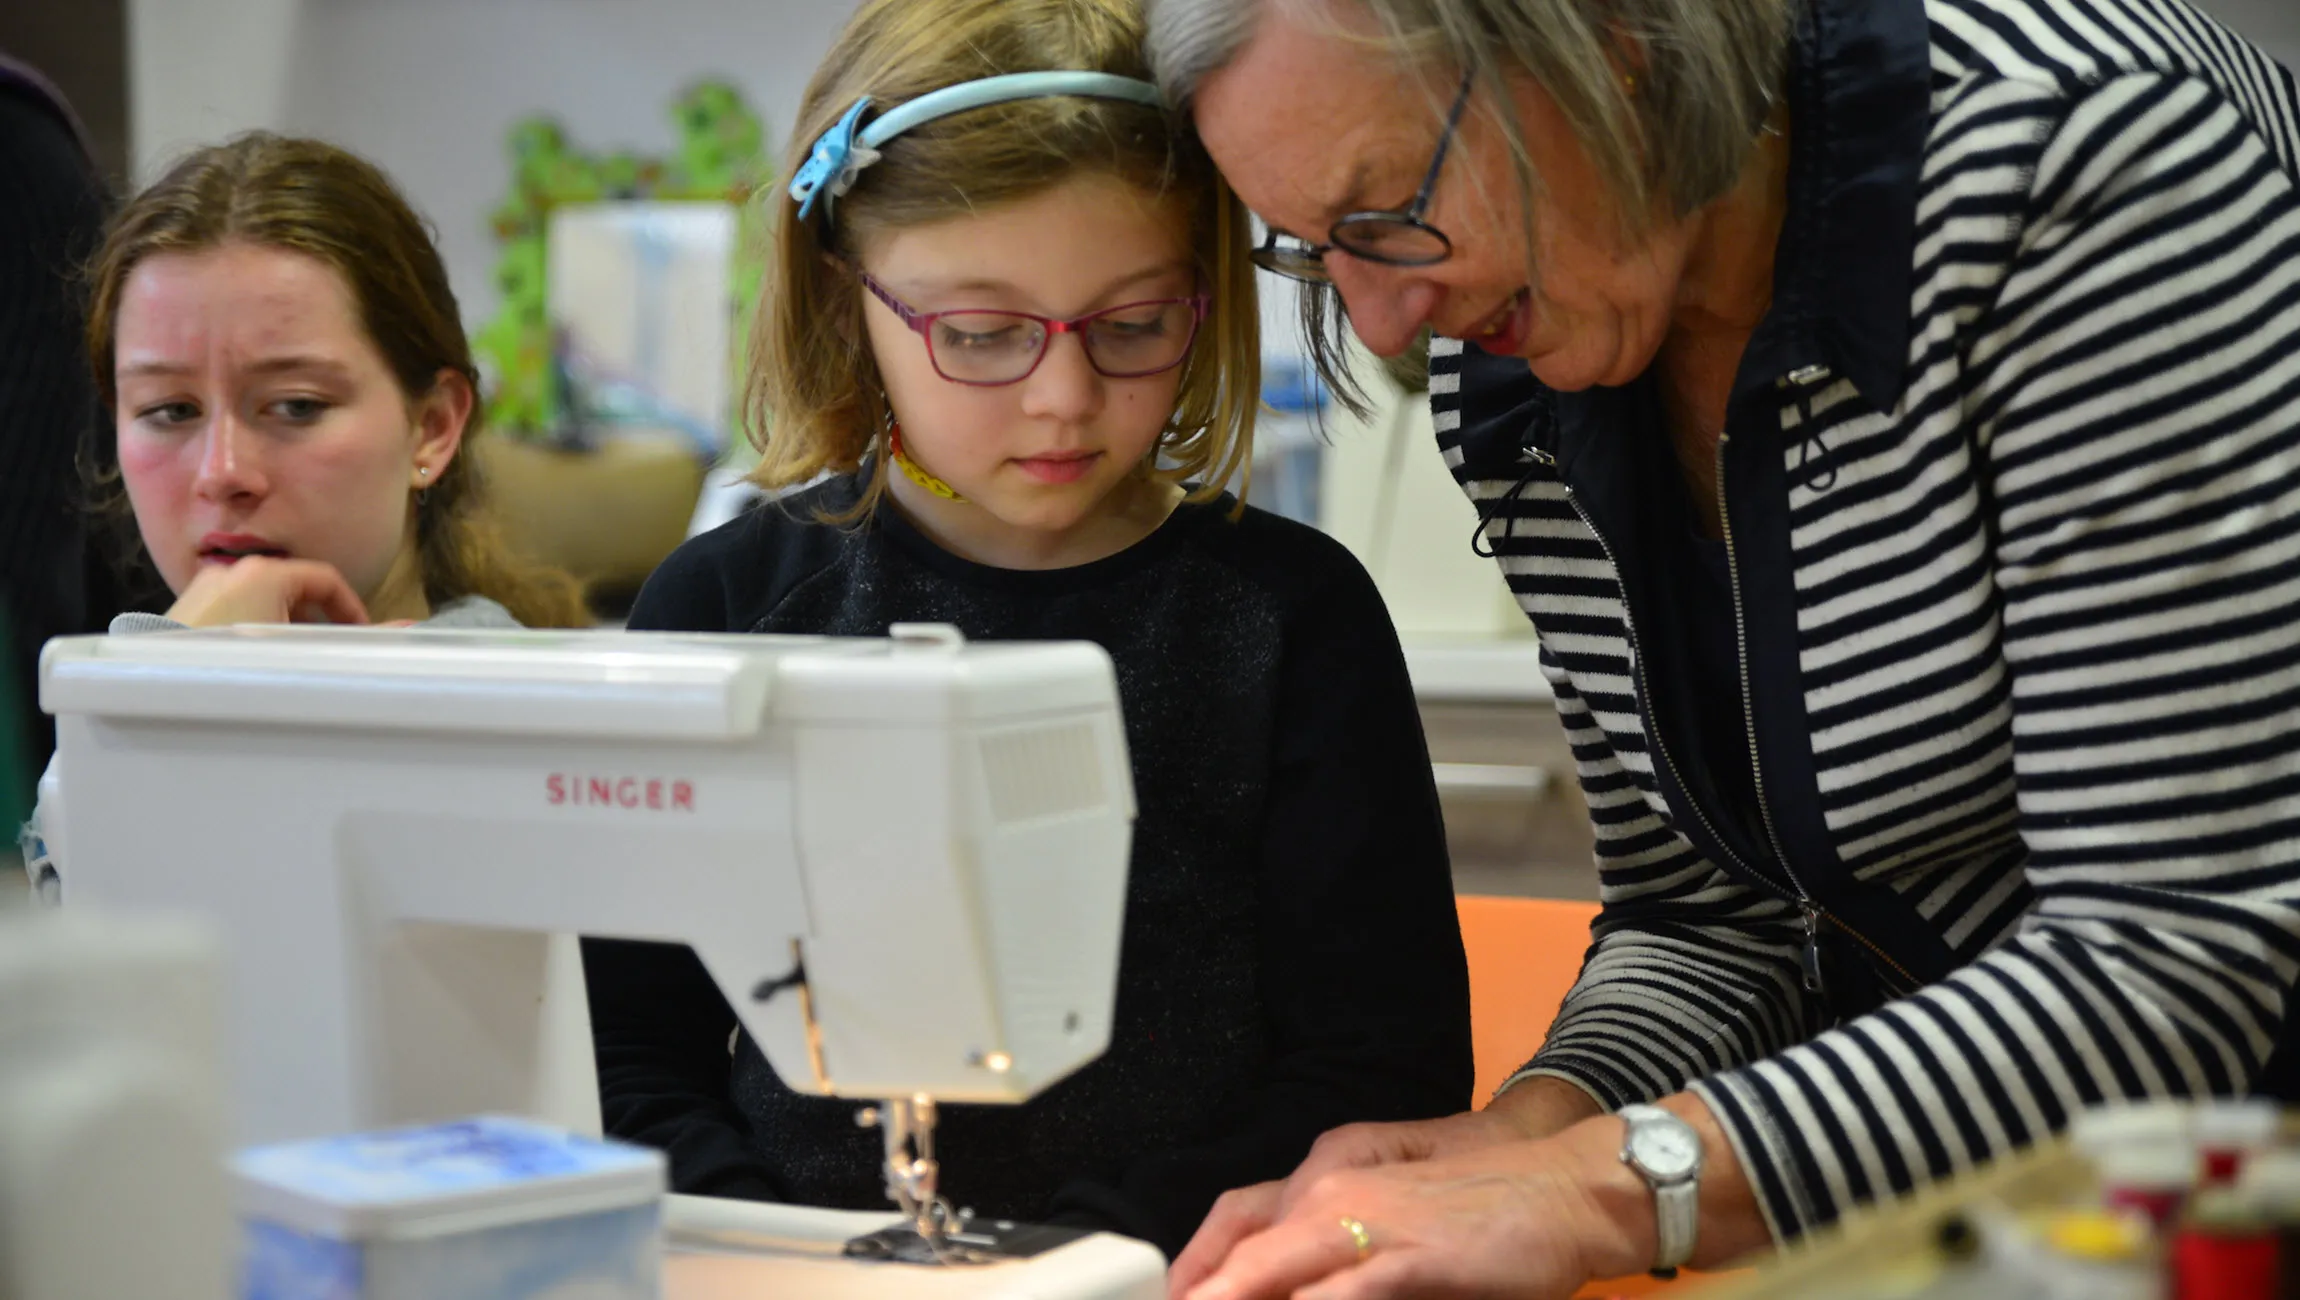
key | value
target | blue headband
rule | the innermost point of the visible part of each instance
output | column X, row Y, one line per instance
column 840, row 155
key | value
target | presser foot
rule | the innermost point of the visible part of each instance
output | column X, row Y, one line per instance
column 913, row 1182
column 964, row 1242
column 931, row 1232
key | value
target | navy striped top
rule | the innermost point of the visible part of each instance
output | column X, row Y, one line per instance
column 2012, row 489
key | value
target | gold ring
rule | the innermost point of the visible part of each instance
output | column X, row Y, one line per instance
column 1358, row 1234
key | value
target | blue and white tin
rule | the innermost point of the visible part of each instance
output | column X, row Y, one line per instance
column 481, row 1209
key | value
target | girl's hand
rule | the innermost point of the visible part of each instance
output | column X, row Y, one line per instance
column 262, row 589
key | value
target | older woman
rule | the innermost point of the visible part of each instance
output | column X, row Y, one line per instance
column 1888, row 413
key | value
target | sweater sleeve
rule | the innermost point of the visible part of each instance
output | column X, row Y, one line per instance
column 660, row 1029
column 43, row 864
column 1353, row 863
column 2134, row 388
column 1688, row 971
column 51, row 218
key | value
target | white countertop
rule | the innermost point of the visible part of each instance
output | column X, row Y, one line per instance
column 1501, row 672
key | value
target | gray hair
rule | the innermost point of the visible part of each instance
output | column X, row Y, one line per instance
column 1191, row 40
column 1673, row 144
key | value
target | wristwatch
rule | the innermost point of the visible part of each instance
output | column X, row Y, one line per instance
column 1666, row 1152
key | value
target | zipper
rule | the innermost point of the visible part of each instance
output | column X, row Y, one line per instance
column 1748, row 699
column 1909, row 983
column 1661, row 747
column 1810, row 958
column 1802, row 378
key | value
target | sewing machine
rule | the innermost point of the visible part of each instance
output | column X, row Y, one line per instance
column 903, row 861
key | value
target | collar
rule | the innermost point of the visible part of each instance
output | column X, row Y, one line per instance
column 1860, row 100
column 1859, row 89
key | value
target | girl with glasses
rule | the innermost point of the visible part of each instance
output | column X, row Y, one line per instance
column 1007, row 362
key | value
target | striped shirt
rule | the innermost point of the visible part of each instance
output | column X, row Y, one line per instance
column 2017, row 577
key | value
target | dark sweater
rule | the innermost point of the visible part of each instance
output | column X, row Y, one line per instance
column 51, row 217
column 1291, row 959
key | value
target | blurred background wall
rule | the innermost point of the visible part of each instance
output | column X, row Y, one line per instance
column 429, row 88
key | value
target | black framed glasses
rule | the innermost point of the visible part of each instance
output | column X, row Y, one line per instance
column 987, row 349
column 1390, row 238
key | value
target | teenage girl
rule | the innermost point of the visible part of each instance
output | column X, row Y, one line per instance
column 292, row 401
column 272, row 329
column 1011, row 318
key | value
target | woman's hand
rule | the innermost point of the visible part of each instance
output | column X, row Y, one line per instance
column 1242, row 1213
column 262, row 589
column 1536, row 1108
column 1523, row 1219
column 1532, row 1219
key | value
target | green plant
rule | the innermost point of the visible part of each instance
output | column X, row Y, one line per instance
column 720, row 157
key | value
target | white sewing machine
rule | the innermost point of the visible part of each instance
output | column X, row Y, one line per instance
column 902, row 860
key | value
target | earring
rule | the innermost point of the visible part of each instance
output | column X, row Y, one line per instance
column 910, row 468
column 1629, row 82
column 423, row 492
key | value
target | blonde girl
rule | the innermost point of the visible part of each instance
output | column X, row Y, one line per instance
column 1011, row 328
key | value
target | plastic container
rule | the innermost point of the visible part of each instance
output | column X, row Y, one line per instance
column 2271, row 1185
column 482, row 1209
column 2151, row 1178
column 2226, row 1251
column 2106, row 1128
column 2145, row 1152
column 2228, row 1132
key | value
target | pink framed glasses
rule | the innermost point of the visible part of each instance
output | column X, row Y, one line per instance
column 987, row 349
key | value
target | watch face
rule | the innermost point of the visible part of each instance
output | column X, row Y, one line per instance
column 1665, row 1151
